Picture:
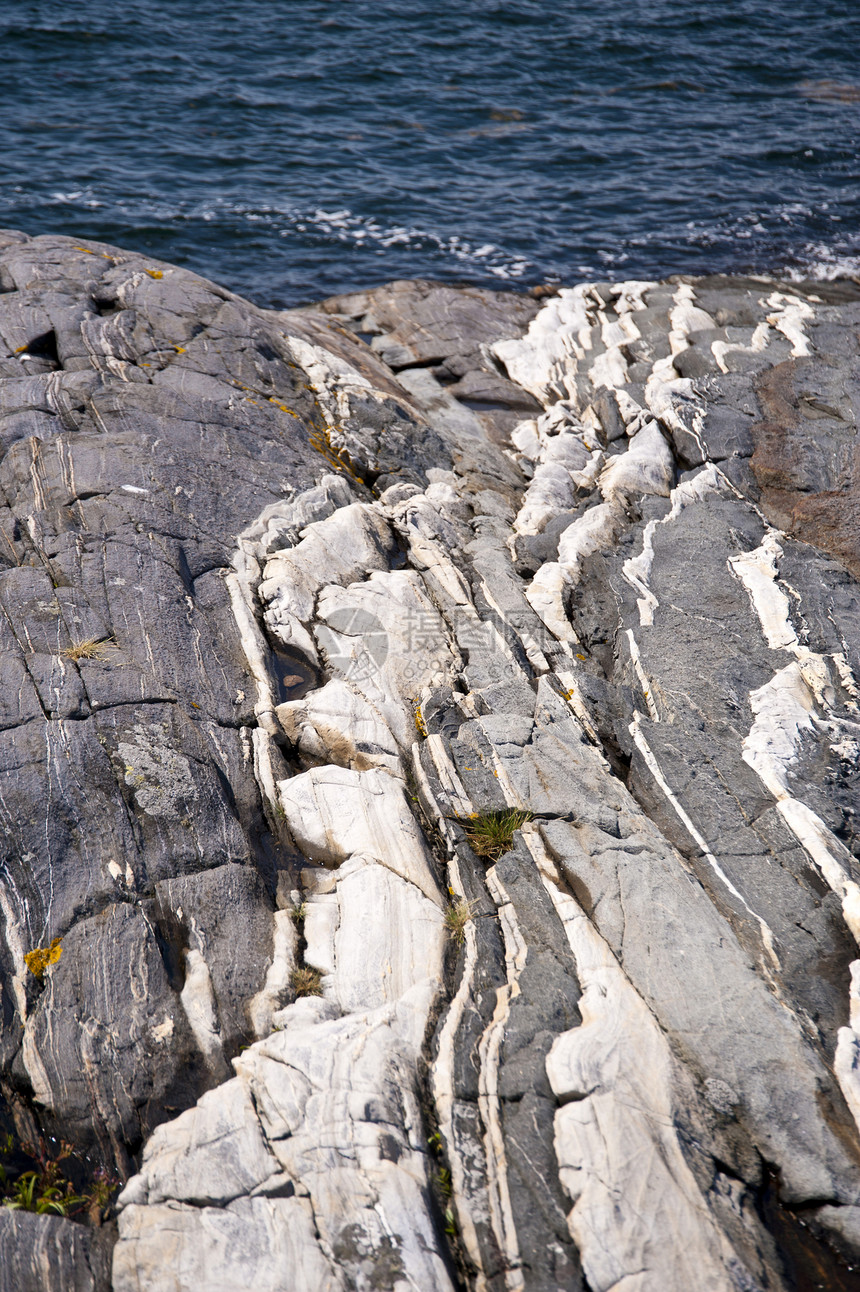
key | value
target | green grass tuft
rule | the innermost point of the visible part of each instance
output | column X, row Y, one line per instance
column 491, row 834
column 457, row 916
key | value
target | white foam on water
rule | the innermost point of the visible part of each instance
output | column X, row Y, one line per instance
column 314, row 223
column 762, row 238
column 817, row 260
column 365, row 230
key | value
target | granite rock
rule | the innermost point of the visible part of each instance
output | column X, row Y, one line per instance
column 437, row 761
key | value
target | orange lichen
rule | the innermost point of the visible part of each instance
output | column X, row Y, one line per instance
column 38, row 961
column 249, row 390
column 320, row 440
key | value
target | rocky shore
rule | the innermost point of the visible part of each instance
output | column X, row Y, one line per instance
column 429, row 750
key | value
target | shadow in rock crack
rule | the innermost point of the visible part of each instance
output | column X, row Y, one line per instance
column 295, row 676
column 809, row 1261
column 43, row 347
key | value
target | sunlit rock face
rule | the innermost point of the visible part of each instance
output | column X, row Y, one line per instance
column 428, row 772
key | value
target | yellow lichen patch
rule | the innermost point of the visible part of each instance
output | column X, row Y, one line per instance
column 320, row 441
column 154, row 273
column 180, row 349
column 337, row 458
column 88, row 251
column 38, row 961
column 262, row 394
column 420, row 724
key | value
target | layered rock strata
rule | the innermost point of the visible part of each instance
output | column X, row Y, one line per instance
column 293, row 625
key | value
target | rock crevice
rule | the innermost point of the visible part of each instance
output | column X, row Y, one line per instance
column 438, row 762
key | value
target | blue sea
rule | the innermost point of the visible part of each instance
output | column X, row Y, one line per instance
column 291, row 149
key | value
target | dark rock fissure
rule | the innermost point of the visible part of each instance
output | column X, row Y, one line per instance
column 642, row 1008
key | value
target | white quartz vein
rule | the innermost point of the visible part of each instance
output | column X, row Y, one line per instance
column 654, row 767
column 783, row 711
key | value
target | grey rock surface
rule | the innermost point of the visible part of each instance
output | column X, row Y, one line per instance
column 38, row 1252
column 435, row 763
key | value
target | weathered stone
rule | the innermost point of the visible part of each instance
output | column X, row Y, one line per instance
column 48, row 1254
column 442, row 735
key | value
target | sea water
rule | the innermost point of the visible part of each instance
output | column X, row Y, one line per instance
column 295, row 148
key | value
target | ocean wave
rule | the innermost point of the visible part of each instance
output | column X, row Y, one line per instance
column 774, row 241
column 312, row 225
column 346, row 226
column 816, row 260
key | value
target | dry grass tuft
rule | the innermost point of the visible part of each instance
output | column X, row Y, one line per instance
column 91, row 648
column 306, row 982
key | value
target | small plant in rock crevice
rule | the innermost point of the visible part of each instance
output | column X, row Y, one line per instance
column 446, row 1189
column 457, row 916
column 91, row 648
column 45, row 1188
column 306, row 982
column 443, row 1185
column 491, row 834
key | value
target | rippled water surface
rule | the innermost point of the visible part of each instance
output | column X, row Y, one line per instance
column 295, row 148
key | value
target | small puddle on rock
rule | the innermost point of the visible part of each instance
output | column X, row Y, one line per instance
column 294, row 674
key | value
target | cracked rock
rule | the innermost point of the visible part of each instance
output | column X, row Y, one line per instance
column 429, row 783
